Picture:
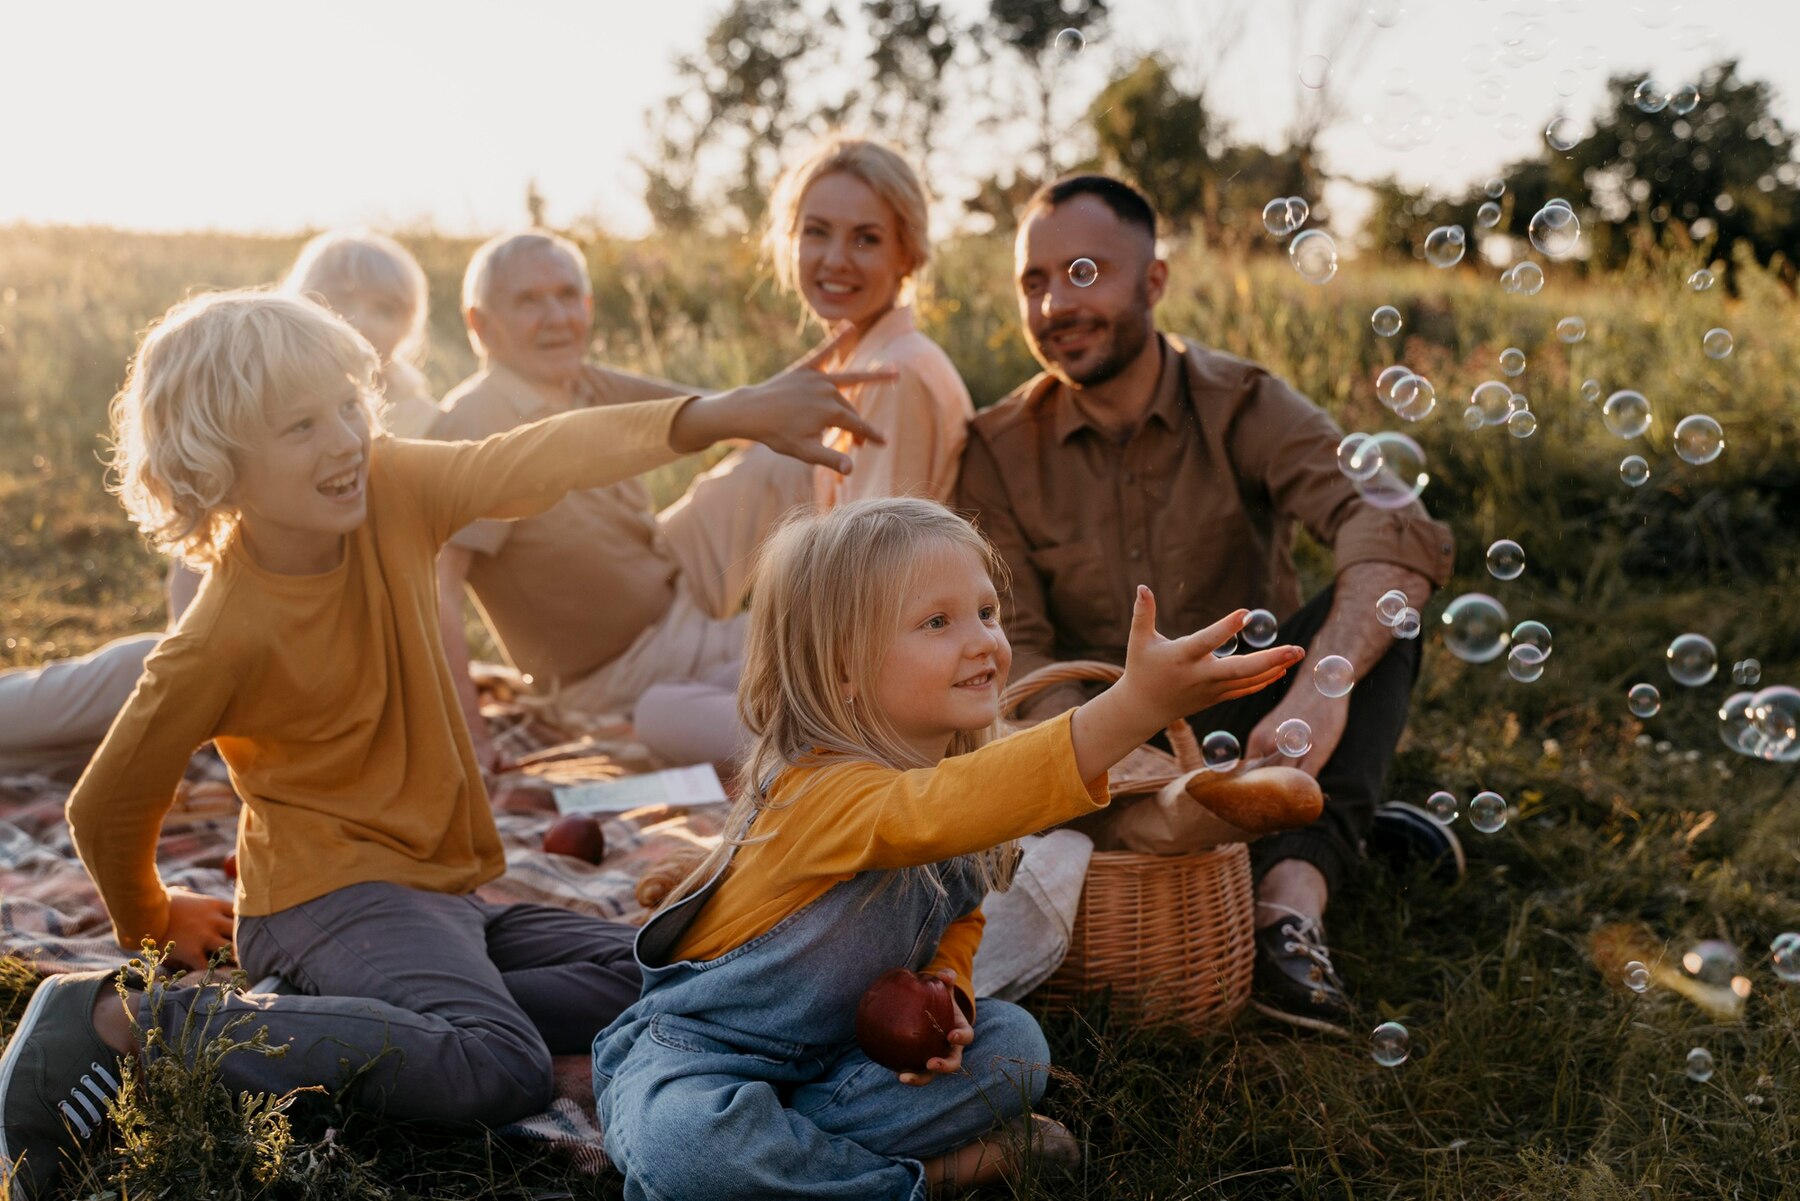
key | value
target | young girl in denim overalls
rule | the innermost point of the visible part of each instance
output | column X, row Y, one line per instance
column 876, row 808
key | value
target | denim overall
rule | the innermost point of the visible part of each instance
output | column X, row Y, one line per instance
column 740, row 1076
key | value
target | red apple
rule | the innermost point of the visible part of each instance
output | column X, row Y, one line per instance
column 230, row 866
column 578, row 836
column 905, row 1018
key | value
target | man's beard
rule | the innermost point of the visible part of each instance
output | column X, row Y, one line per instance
column 1129, row 331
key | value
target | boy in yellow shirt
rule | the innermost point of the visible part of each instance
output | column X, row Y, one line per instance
column 312, row 659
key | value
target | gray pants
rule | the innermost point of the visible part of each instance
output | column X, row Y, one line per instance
column 55, row 715
column 450, row 1006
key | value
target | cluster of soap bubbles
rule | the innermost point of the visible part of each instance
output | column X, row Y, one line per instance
column 1487, row 810
column 1652, row 97
column 1395, row 611
column 1524, row 277
column 1387, row 469
column 1444, row 246
column 1285, row 214
column 1763, row 725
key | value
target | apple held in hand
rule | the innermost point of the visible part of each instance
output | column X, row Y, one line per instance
column 578, row 836
column 905, row 1019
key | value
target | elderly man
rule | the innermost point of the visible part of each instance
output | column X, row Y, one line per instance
column 605, row 603
column 1142, row 458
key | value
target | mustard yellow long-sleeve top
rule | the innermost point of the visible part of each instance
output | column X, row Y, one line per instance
column 859, row 816
column 328, row 695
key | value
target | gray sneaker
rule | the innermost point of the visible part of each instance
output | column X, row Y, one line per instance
column 56, row 1079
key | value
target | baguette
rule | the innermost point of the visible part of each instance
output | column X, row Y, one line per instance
column 1260, row 801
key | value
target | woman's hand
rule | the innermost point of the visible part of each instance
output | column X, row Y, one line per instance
column 198, row 926
column 960, row 1036
column 788, row 413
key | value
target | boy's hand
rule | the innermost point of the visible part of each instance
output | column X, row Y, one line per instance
column 198, row 926
column 788, row 413
column 960, row 1036
column 1165, row 680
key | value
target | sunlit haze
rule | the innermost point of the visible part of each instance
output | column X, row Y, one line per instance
column 282, row 117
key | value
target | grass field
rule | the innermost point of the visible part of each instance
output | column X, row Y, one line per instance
column 1534, row 1073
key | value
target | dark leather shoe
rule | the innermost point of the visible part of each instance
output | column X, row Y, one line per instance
column 1294, row 980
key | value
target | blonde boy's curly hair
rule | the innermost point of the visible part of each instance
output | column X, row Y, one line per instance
column 196, row 395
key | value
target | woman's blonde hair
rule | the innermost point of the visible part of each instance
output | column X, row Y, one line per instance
column 340, row 259
column 885, row 172
column 825, row 606
column 197, row 392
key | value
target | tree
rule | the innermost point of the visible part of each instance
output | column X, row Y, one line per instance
column 1029, row 29
column 1151, row 131
column 915, row 42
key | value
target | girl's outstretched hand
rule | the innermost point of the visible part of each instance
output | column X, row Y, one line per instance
column 960, row 1036
column 788, row 412
column 1165, row 680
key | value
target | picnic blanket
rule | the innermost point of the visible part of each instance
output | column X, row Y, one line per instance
column 51, row 915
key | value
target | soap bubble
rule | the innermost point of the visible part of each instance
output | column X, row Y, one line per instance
column 1472, row 418
column 1385, row 320
column 1283, row 215
column 1314, row 70
column 1408, row 623
column 1475, row 626
column 1735, row 727
column 1443, row 807
column 1634, row 470
column 1746, row 672
column 1219, row 750
column 1333, row 676
column 1684, row 99
column 1522, row 424
column 1444, row 246
column 1387, row 380
column 1388, row 607
column 1712, row 961
column 1643, row 700
column 1571, row 330
column 1650, row 97
column 1534, row 634
column 1698, row 439
column 1402, row 476
column 1526, row 278
column 1414, row 398
column 1259, row 628
column 1517, row 403
column 1494, row 399
column 1070, row 42
column 1525, row 664
column 1512, row 361
column 1716, row 343
column 1386, row 13
column 1359, row 456
column 1567, row 82
column 1226, row 648
column 1590, row 390
column 1487, row 216
column 1555, row 230
column 1562, row 133
column 1487, row 812
column 1293, row 738
column 1701, row 280
column 1784, row 952
column 1314, row 256
column 1494, row 188
column 1699, row 1065
column 1083, row 273
column 1774, row 715
column 1637, row 976
column 1692, row 660
column 1506, row 559
column 1390, row 1044
column 1626, row 413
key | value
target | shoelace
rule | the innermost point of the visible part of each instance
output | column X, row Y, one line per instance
column 1306, row 938
column 95, row 1118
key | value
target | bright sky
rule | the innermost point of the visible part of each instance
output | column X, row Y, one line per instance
column 284, row 116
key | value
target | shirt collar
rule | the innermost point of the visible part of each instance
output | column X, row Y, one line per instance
column 1166, row 403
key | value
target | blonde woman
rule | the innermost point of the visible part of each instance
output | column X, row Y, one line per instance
column 848, row 233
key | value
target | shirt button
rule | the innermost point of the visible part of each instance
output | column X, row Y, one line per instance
column 1131, row 477
column 1134, row 554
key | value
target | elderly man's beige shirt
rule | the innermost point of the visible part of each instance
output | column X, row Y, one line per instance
column 569, row 590
column 1200, row 503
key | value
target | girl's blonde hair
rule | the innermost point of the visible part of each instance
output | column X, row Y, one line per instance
column 824, row 609
column 195, row 395
column 885, row 172
column 342, row 259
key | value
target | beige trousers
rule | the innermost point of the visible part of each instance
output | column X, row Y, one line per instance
column 55, row 715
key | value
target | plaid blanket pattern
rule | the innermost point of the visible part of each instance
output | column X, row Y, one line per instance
column 52, row 917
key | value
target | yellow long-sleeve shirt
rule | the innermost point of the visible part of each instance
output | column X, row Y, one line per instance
column 860, row 816
column 329, row 696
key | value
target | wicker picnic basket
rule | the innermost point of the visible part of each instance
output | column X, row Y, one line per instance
column 1172, row 936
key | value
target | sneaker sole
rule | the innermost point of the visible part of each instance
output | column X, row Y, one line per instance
column 1294, row 1019
column 34, row 1009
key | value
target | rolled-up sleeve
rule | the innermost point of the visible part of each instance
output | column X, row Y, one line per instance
column 1291, row 444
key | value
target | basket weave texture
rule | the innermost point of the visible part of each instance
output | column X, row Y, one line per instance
column 1172, row 936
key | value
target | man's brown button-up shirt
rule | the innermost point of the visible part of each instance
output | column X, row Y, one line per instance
column 1199, row 503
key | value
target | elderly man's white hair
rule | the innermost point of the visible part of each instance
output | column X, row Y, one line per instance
column 492, row 256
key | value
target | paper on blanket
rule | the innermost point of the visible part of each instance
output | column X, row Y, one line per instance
column 677, row 787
